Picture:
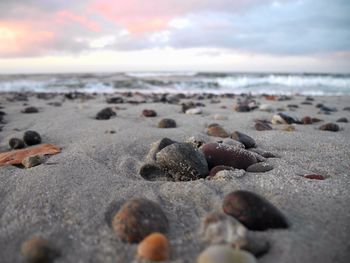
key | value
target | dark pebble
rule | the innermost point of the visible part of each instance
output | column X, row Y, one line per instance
column 30, row 110
column 343, row 120
column 222, row 154
column 31, row 138
column 253, row 211
column 105, row 114
column 38, row 250
column 242, row 108
column 248, row 141
column 167, row 123
column 16, row 143
column 263, row 153
column 329, row 127
column 138, row 218
column 346, row 109
column 262, row 126
column 306, row 120
column 309, row 99
column 152, row 172
column 115, row 100
column 314, row 120
column 306, row 103
column 314, row 176
column 260, row 167
column 183, row 162
column 156, row 147
column 149, row 113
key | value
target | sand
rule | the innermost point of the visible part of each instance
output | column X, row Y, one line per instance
column 71, row 199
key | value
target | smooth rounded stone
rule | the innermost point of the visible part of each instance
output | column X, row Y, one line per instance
column 260, row 167
column 149, row 113
column 253, row 211
column 188, row 105
column 138, row 218
column 242, row 108
column 266, row 107
column 225, row 254
column 151, row 172
column 155, row 247
column 38, row 250
column 262, row 126
column 228, row 175
column 219, row 228
column 314, row 176
column 346, row 109
column 232, row 142
column 156, row 147
column 316, row 120
column 219, row 117
column 219, row 168
column 282, row 118
column 306, row 103
column 306, row 120
column 222, row 154
column 217, row 131
column 30, row 110
column 115, row 100
column 183, row 162
column 167, row 123
column 329, row 127
column 34, row 160
column 194, row 111
column 248, row 141
column 16, row 143
column 343, row 120
column 263, row 153
column 105, row 114
column 31, row 138
column 288, row 128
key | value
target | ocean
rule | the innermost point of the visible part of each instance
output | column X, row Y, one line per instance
column 181, row 82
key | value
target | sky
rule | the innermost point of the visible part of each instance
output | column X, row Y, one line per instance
column 174, row 35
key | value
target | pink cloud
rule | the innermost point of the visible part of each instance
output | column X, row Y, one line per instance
column 82, row 20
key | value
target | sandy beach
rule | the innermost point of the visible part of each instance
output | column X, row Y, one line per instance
column 70, row 200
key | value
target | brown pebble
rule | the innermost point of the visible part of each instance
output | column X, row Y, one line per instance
column 38, row 250
column 167, row 123
column 149, row 113
column 16, row 143
column 217, row 131
column 262, row 126
column 253, row 211
column 34, row 160
column 138, row 218
column 155, row 247
column 314, row 176
column 306, row 120
column 329, row 127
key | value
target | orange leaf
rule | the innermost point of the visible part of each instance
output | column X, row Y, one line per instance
column 16, row 156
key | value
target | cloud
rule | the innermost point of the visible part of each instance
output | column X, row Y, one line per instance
column 285, row 27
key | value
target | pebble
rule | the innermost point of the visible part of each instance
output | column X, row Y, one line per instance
column 262, row 126
column 253, row 211
column 288, row 128
column 34, row 160
column 156, row 147
column 225, row 254
column 314, row 176
column 263, row 153
column 219, row 168
column 138, row 218
column 343, row 120
column 152, row 172
column 155, row 247
column 167, row 123
column 248, row 141
column 242, row 108
column 260, row 168
column 217, row 131
column 329, row 127
column 149, row 113
column 194, row 111
column 16, row 143
column 115, row 100
column 346, row 109
column 105, row 114
column 316, row 120
column 38, row 250
column 183, row 162
column 31, row 138
column 282, row 118
column 219, row 228
column 306, row 120
column 30, row 110
column 222, row 154
column 219, row 117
